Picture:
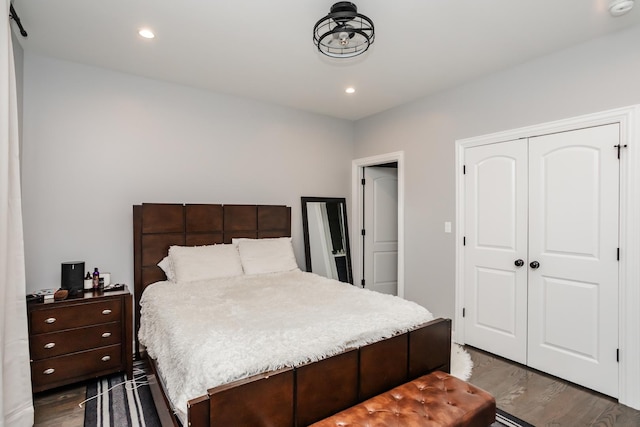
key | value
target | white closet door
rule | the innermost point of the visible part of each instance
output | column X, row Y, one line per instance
column 496, row 237
column 573, row 235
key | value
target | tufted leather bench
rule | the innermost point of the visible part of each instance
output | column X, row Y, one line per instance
column 437, row 399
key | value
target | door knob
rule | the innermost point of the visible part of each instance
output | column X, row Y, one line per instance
column 534, row 265
column 519, row 263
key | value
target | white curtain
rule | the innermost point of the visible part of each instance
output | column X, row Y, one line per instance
column 16, row 407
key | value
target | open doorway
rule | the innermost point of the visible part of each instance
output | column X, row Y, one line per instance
column 378, row 206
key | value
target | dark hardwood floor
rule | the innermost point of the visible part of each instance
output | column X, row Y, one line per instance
column 543, row 400
column 59, row 407
column 537, row 398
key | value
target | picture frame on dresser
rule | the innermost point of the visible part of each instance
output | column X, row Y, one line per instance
column 79, row 338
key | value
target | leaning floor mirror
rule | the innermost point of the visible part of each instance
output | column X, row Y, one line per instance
column 326, row 237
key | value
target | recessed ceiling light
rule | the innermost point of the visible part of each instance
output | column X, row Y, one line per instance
column 350, row 90
column 146, row 33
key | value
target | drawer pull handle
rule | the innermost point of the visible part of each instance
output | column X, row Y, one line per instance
column 50, row 345
column 48, row 371
column 106, row 335
column 50, row 320
column 106, row 358
column 106, row 311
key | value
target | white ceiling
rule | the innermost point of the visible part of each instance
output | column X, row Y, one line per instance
column 264, row 49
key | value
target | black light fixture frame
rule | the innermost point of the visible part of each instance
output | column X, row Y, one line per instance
column 13, row 15
column 339, row 21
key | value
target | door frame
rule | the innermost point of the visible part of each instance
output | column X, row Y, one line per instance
column 357, row 209
column 629, row 231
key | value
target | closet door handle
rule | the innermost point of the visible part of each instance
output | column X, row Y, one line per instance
column 519, row 263
column 534, row 265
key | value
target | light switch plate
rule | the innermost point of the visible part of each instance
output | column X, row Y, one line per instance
column 447, row 227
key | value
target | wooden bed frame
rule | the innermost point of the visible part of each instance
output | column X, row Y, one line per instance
column 291, row 397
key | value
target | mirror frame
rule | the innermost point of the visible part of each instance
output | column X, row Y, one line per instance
column 305, row 230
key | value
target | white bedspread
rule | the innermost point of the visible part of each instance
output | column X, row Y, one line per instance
column 209, row 333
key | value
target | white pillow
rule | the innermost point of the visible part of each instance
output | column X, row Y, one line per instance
column 167, row 267
column 192, row 263
column 266, row 255
column 236, row 240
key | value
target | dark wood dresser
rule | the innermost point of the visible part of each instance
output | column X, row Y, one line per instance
column 80, row 338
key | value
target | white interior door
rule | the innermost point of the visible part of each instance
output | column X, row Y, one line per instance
column 573, row 235
column 553, row 202
column 495, row 288
column 381, row 229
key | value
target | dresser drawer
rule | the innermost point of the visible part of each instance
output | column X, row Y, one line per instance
column 57, row 370
column 73, row 340
column 74, row 316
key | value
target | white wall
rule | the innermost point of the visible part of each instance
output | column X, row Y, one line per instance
column 595, row 76
column 96, row 142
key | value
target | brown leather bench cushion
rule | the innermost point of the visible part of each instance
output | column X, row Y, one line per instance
column 436, row 399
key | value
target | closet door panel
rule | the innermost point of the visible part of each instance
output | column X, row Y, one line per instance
column 573, row 235
column 495, row 233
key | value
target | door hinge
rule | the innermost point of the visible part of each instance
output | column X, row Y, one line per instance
column 464, row 241
column 619, row 146
column 363, row 232
column 363, row 181
column 362, row 283
column 464, row 169
column 618, row 254
column 617, row 355
column 464, row 311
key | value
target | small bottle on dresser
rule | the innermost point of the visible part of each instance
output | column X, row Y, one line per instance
column 96, row 279
column 88, row 282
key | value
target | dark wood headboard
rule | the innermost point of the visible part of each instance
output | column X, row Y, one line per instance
column 156, row 227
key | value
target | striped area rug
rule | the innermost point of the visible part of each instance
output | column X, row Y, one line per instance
column 119, row 403
column 508, row 420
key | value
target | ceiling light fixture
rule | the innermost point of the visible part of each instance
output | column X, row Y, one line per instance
column 620, row 7
column 343, row 33
column 350, row 90
column 146, row 33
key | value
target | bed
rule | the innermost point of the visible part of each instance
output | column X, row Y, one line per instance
column 292, row 392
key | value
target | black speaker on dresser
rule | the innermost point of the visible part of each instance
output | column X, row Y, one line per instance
column 73, row 276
